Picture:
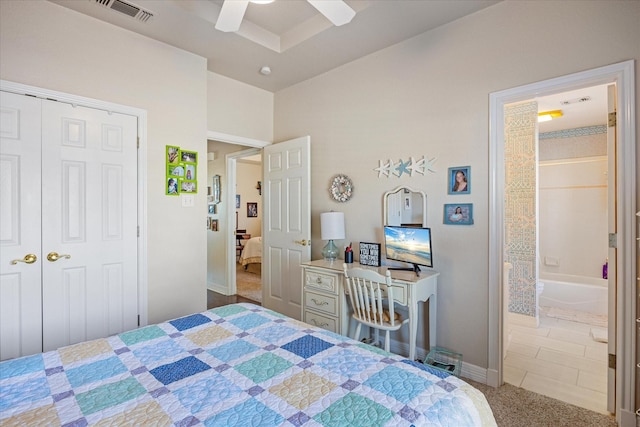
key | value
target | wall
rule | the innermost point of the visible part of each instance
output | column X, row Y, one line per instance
column 247, row 176
column 429, row 96
column 573, row 201
column 49, row 46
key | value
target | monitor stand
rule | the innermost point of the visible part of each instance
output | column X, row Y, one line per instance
column 415, row 268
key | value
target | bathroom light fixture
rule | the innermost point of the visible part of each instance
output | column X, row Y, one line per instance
column 545, row 116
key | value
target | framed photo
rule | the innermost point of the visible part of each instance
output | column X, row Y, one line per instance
column 175, row 170
column 215, row 189
column 460, row 180
column 214, row 225
column 252, row 210
column 190, row 172
column 188, row 187
column 189, row 156
column 370, row 254
column 237, row 201
column 172, row 186
column 458, row 214
column 407, row 202
column 173, row 154
column 212, row 209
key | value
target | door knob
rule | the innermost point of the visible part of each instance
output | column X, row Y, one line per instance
column 303, row 242
column 54, row 256
column 28, row 259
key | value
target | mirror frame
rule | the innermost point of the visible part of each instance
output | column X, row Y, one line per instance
column 400, row 188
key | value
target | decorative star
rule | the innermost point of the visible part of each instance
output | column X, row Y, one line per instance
column 429, row 165
column 402, row 168
column 416, row 166
column 383, row 169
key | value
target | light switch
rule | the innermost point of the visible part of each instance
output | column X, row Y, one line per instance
column 187, row 200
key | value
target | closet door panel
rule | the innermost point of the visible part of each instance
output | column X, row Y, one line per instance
column 89, row 197
column 20, row 226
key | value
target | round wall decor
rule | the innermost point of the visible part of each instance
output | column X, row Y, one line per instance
column 341, row 188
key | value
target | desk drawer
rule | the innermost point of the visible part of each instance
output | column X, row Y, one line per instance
column 322, row 281
column 321, row 302
column 320, row 321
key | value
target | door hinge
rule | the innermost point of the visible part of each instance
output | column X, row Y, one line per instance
column 138, row 142
column 613, row 240
column 612, row 361
column 138, row 320
column 138, row 231
column 612, row 119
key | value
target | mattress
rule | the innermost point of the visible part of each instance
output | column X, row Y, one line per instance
column 237, row 365
column 252, row 251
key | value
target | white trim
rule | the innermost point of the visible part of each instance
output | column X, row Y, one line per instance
column 141, row 115
column 238, row 140
column 623, row 75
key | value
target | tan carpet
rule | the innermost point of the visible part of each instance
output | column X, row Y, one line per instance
column 249, row 282
column 516, row 407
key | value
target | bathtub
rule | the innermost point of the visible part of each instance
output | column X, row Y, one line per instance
column 588, row 294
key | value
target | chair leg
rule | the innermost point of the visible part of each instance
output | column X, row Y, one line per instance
column 377, row 335
column 386, row 341
column 358, row 328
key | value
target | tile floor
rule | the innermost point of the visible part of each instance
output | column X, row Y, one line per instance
column 561, row 360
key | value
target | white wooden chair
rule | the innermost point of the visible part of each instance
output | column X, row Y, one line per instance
column 371, row 299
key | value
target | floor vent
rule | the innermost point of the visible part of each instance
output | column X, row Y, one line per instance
column 127, row 8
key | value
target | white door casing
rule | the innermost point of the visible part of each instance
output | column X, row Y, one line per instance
column 20, row 213
column 286, row 224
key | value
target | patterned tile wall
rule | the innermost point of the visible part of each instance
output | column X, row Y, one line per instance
column 573, row 143
column 520, row 205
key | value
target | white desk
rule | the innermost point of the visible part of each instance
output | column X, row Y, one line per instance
column 325, row 304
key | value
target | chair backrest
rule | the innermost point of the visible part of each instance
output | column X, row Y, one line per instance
column 367, row 290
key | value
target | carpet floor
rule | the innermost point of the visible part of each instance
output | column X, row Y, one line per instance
column 516, row 407
column 249, row 282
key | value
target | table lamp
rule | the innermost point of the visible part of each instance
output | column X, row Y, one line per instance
column 331, row 227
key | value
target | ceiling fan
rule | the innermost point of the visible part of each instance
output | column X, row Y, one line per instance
column 232, row 12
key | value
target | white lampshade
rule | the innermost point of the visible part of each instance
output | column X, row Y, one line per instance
column 332, row 225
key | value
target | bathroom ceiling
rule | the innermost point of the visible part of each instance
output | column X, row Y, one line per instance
column 576, row 113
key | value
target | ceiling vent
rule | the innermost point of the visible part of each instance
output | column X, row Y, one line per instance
column 576, row 100
column 128, row 9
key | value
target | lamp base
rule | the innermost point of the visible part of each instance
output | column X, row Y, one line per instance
column 330, row 251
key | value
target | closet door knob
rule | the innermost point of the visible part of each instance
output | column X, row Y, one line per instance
column 303, row 242
column 54, row 256
column 28, row 259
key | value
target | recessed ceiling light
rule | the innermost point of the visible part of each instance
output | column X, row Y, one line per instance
column 265, row 71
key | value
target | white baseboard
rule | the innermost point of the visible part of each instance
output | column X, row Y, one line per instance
column 219, row 288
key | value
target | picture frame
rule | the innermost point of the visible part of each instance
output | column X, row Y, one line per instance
column 188, row 187
column 370, row 254
column 252, row 210
column 214, row 225
column 458, row 213
column 188, row 156
column 460, row 180
column 215, row 189
column 237, row 201
column 407, row 202
column 212, row 209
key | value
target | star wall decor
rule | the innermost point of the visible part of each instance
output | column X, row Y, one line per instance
column 409, row 167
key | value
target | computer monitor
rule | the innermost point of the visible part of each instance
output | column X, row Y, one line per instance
column 408, row 244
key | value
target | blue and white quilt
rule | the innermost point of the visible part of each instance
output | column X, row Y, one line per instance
column 237, row 365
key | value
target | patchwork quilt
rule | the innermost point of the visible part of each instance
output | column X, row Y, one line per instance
column 237, row 365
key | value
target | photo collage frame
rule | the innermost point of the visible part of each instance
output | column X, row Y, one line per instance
column 181, row 167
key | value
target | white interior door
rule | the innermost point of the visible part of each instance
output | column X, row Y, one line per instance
column 287, row 224
column 89, row 233
column 20, row 259
column 612, row 216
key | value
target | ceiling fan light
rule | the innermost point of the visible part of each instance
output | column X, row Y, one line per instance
column 261, row 1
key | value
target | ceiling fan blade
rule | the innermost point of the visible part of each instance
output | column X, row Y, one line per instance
column 231, row 15
column 336, row 11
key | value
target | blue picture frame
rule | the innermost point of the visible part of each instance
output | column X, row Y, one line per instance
column 464, row 186
column 458, row 213
column 237, row 201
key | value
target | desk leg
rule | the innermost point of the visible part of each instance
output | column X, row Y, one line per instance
column 432, row 320
column 413, row 329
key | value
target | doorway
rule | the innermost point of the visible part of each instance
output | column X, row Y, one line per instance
column 622, row 75
column 560, row 348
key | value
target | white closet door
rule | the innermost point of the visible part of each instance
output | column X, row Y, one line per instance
column 20, row 290
column 89, row 220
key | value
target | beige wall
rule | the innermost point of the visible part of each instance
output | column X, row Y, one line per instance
column 430, row 96
column 49, row 46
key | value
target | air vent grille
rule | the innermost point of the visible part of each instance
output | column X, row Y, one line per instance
column 128, row 9
column 576, row 100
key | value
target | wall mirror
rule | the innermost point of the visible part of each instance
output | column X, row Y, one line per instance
column 405, row 206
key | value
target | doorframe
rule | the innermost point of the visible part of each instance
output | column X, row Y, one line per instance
column 622, row 74
column 141, row 115
column 229, row 192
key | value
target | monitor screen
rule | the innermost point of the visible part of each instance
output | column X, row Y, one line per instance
column 408, row 244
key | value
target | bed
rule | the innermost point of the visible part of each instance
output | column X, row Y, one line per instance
column 252, row 252
column 236, row 365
